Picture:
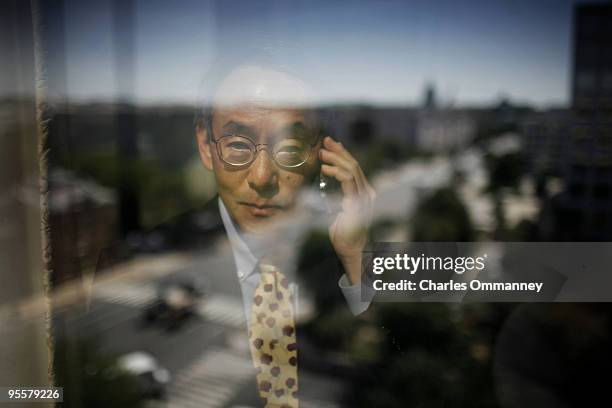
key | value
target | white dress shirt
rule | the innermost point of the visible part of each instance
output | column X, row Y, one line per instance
column 248, row 273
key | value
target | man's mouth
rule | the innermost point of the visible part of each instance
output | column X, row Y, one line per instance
column 262, row 210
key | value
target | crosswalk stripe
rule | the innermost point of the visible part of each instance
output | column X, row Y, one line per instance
column 130, row 294
column 219, row 309
column 224, row 310
column 97, row 316
column 210, row 381
column 208, row 392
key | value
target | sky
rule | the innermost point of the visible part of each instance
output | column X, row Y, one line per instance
column 378, row 52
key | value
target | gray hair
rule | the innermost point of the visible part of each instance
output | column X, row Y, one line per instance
column 223, row 67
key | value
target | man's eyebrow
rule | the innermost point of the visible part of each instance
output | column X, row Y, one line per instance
column 296, row 129
column 239, row 128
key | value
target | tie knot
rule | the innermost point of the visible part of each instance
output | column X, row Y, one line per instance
column 268, row 268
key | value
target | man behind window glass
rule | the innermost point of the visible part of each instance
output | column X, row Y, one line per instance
column 264, row 149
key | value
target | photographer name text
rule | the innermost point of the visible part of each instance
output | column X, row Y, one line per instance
column 458, row 265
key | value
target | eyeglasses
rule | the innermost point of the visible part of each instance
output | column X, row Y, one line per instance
column 237, row 150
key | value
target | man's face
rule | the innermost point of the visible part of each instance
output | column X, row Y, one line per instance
column 262, row 191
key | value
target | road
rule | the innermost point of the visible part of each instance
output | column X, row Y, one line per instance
column 207, row 357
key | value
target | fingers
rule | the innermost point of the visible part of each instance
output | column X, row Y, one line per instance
column 347, row 181
column 349, row 230
column 334, row 154
column 332, row 145
column 346, row 167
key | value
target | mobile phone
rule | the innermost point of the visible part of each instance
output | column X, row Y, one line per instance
column 323, row 187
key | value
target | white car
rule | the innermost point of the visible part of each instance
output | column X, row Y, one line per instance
column 152, row 377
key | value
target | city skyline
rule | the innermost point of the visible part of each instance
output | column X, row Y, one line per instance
column 386, row 53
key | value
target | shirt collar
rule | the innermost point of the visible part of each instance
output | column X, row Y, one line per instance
column 246, row 262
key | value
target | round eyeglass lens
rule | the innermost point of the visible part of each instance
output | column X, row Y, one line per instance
column 290, row 152
column 237, row 150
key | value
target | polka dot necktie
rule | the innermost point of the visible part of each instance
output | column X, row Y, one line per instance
column 273, row 340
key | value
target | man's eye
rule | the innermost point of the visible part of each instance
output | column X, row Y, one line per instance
column 290, row 144
column 238, row 146
column 290, row 149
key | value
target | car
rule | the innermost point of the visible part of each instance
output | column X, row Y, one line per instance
column 175, row 303
column 152, row 378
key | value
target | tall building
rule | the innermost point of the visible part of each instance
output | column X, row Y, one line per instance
column 583, row 211
column 592, row 68
column 430, row 100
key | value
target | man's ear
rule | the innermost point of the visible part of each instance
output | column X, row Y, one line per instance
column 204, row 146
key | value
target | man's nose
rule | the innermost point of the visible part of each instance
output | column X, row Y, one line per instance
column 263, row 174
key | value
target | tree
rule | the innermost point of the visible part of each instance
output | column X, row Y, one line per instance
column 90, row 377
column 442, row 217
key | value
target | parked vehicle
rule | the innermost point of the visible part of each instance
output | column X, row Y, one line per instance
column 152, row 378
column 176, row 302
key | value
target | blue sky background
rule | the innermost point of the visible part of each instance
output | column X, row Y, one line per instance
column 381, row 52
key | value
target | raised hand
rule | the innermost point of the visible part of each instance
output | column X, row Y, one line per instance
column 349, row 231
